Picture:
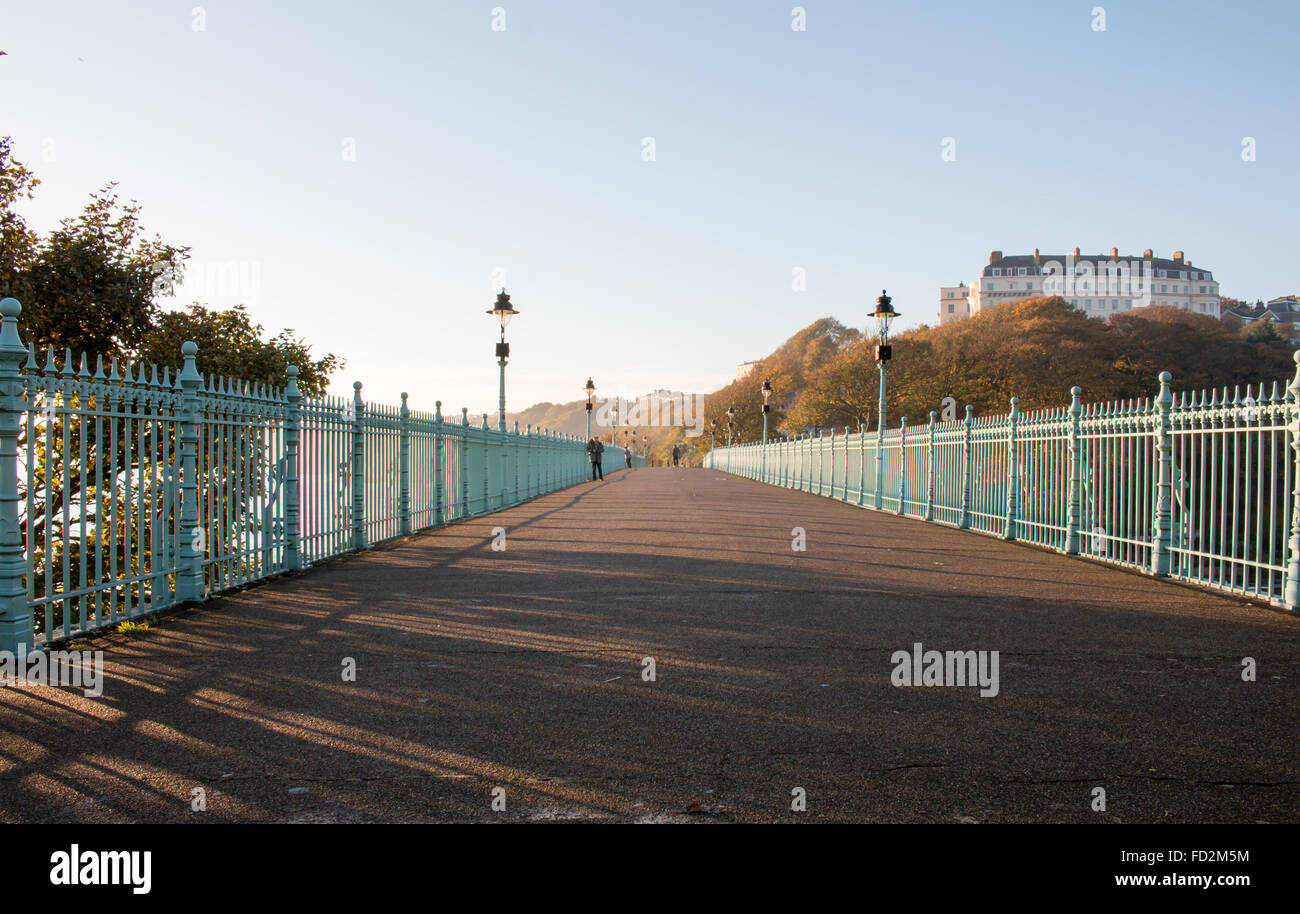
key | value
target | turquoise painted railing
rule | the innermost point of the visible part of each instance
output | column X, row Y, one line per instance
column 125, row 490
column 1203, row 488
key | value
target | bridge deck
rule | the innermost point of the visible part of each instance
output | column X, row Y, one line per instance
column 522, row 669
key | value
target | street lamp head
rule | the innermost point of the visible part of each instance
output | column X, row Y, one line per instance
column 884, row 313
column 767, row 395
column 503, row 310
column 590, row 389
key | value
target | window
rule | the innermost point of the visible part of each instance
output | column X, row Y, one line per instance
column 1020, row 271
column 1202, row 290
column 997, row 271
column 1114, row 305
column 952, row 309
column 1162, row 287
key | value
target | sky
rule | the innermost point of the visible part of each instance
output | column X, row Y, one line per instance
column 646, row 177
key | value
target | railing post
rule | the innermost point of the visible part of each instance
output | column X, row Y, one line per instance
column 880, row 459
column 404, row 466
column 464, row 461
column 846, row 463
column 190, row 537
column 487, row 467
column 1075, row 455
column 1162, row 539
column 1291, row 587
column 530, row 466
column 967, row 451
column 439, row 464
column 929, row 474
column 358, row 468
column 517, row 446
column 15, row 620
column 1013, row 454
column 832, row 486
column 817, row 462
column 902, row 466
column 862, row 464
column 292, row 472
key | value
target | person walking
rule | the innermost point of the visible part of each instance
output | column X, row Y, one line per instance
column 677, row 455
column 594, row 449
column 627, row 456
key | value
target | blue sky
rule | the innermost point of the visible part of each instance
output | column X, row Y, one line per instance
column 521, row 150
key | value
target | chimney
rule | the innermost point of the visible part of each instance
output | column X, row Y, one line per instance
column 995, row 257
column 1114, row 253
column 1146, row 255
column 1178, row 256
column 1037, row 259
column 1076, row 253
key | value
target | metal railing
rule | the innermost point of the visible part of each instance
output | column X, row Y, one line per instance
column 1203, row 487
column 125, row 490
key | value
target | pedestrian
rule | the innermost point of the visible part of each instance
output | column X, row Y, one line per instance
column 677, row 455
column 594, row 449
column 627, row 456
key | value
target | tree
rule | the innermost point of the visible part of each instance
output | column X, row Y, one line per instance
column 97, row 481
column 91, row 285
column 17, row 242
column 1035, row 349
column 231, row 345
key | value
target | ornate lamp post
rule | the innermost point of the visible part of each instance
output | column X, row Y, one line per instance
column 503, row 311
column 590, row 389
column 884, row 315
column 713, row 427
column 731, row 423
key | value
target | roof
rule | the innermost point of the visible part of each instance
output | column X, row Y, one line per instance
column 1027, row 261
column 1285, row 310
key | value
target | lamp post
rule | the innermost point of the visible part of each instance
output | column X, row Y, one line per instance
column 731, row 423
column 590, row 389
column 884, row 315
column 503, row 311
column 713, row 427
column 767, row 408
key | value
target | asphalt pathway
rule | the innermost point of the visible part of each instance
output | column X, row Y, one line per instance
column 520, row 675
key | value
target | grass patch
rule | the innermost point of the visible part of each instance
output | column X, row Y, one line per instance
column 136, row 626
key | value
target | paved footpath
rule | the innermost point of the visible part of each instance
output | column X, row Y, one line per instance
column 522, row 669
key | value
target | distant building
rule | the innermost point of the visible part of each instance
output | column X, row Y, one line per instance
column 1100, row 285
column 745, row 369
column 1283, row 311
column 954, row 303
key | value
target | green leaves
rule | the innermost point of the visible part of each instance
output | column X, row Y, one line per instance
column 94, row 285
column 231, row 345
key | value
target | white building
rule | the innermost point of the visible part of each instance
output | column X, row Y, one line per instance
column 745, row 369
column 954, row 303
column 1099, row 285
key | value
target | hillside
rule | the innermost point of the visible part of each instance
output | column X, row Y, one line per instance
column 1036, row 349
